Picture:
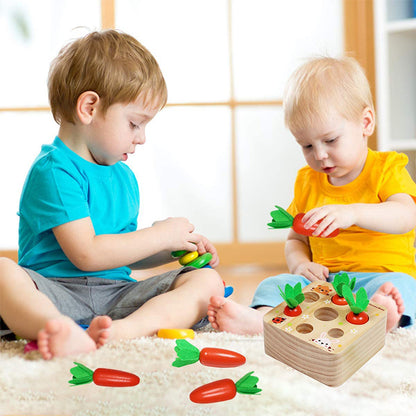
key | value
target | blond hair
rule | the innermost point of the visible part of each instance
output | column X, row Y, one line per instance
column 324, row 83
column 112, row 64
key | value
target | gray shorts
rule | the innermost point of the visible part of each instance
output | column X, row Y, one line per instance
column 83, row 298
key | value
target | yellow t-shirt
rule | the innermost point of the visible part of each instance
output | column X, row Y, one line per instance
column 355, row 248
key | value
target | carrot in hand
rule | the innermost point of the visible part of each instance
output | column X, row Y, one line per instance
column 102, row 377
column 225, row 389
column 211, row 357
column 282, row 219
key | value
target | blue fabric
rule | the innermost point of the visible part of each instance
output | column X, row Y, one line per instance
column 62, row 187
column 268, row 294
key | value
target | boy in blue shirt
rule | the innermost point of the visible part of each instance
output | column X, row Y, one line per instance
column 78, row 213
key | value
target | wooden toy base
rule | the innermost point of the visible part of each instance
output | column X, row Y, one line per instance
column 320, row 342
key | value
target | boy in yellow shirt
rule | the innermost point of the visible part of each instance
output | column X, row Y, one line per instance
column 368, row 195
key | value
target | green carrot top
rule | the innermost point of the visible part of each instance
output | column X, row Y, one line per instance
column 340, row 280
column 81, row 374
column 293, row 296
column 280, row 218
column 186, row 353
column 248, row 384
column 360, row 302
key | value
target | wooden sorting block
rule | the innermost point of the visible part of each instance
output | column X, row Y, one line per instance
column 320, row 342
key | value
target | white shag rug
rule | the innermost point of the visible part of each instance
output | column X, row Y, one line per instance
column 384, row 386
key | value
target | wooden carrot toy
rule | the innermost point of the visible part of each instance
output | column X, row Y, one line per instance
column 357, row 316
column 328, row 341
column 293, row 296
column 102, row 377
column 340, row 280
column 282, row 219
column 211, row 357
column 225, row 389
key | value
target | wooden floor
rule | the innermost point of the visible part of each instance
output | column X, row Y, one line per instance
column 243, row 278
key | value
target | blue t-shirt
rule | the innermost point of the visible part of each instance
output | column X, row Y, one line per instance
column 62, row 187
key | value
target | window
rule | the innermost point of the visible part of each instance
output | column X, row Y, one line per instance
column 219, row 153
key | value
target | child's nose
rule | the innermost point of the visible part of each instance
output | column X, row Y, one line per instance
column 140, row 138
column 320, row 153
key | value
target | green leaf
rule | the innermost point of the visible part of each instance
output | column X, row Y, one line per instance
column 186, row 353
column 362, row 300
column 282, row 294
column 248, row 384
column 360, row 303
column 80, row 374
column 352, row 283
column 281, row 218
column 300, row 298
column 340, row 280
column 293, row 296
column 297, row 288
column 347, row 294
column 80, row 380
column 289, row 292
column 291, row 302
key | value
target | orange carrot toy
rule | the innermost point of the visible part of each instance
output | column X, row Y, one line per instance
column 102, row 377
column 211, row 357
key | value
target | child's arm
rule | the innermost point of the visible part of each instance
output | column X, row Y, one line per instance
column 158, row 259
column 91, row 252
column 165, row 257
column 298, row 258
column 397, row 215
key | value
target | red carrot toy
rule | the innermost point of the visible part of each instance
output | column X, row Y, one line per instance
column 102, row 377
column 225, row 389
column 211, row 357
column 282, row 219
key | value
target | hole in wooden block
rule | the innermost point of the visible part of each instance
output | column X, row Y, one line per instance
column 311, row 297
column 326, row 314
column 336, row 333
column 304, row 328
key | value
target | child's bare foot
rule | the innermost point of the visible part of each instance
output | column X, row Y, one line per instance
column 388, row 296
column 227, row 315
column 99, row 330
column 62, row 337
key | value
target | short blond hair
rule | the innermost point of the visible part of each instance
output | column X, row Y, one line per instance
column 324, row 83
column 111, row 63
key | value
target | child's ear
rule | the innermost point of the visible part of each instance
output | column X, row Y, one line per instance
column 87, row 105
column 369, row 121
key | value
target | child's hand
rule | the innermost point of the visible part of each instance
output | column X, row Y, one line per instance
column 204, row 245
column 332, row 216
column 312, row 271
column 177, row 234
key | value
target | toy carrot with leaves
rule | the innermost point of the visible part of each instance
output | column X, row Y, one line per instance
column 340, row 280
column 357, row 316
column 282, row 219
column 293, row 296
column 211, row 357
column 225, row 389
column 102, row 377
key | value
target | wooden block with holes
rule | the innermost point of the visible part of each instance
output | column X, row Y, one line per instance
column 320, row 342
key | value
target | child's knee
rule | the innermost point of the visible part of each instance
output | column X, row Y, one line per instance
column 7, row 268
column 214, row 280
column 209, row 280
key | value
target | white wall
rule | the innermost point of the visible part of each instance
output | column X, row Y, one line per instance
column 185, row 166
